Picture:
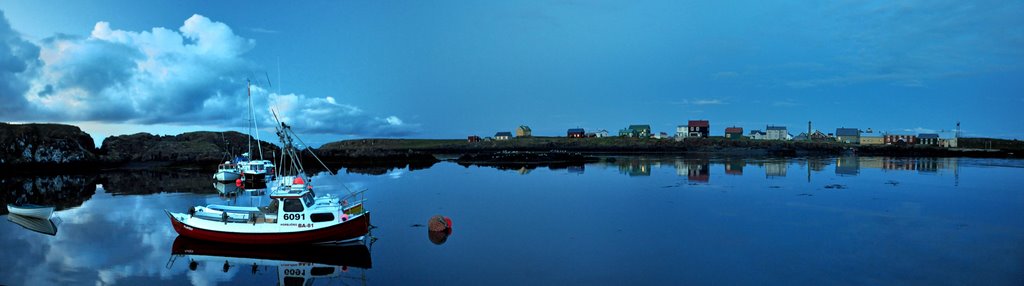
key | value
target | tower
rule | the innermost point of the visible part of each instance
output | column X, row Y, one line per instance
column 808, row 130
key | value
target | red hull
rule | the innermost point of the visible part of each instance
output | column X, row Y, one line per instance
column 350, row 229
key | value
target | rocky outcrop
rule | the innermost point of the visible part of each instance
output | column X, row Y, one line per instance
column 188, row 147
column 44, row 143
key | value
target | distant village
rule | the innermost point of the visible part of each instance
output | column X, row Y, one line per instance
column 702, row 128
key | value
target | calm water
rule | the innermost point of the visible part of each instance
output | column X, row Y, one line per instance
column 626, row 220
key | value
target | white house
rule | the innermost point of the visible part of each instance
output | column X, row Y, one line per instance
column 682, row 131
column 758, row 135
column 777, row 133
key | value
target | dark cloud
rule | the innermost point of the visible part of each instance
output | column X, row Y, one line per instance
column 18, row 59
column 91, row 64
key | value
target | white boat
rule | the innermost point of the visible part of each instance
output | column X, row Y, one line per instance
column 294, row 216
column 227, row 172
column 30, row 210
column 44, row 226
column 255, row 170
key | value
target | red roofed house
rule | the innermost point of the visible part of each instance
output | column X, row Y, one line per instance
column 699, row 128
column 734, row 133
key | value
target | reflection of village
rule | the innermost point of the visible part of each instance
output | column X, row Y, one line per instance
column 699, row 169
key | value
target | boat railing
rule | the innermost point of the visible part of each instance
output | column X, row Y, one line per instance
column 234, row 214
column 352, row 203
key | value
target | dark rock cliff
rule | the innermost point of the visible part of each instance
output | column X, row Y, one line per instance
column 203, row 146
column 44, row 143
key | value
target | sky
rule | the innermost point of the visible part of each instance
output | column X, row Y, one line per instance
column 448, row 69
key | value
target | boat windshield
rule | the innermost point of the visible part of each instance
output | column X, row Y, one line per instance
column 308, row 198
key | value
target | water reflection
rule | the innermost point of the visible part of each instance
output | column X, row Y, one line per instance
column 62, row 191
column 68, row 191
column 227, row 189
column 141, row 182
column 115, row 232
column 698, row 169
column 44, row 226
column 293, row 265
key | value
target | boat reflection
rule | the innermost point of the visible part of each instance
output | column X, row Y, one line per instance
column 44, row 226
column 227, row 189
column 295, row 264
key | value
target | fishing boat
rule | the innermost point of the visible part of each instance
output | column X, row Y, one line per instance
column 294, row 265
column 247, row 167
column 227, row 172
column 254, row 170
column 23, row 208
column 294, row 215
column 40, row 225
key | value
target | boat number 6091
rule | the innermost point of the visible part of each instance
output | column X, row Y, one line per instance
column 294, row 216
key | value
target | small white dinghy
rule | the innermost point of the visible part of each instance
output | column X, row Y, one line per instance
column 30, row 210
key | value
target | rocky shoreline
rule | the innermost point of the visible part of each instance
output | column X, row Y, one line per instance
column 59, row 148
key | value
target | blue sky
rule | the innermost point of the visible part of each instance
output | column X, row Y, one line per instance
column 447, row 69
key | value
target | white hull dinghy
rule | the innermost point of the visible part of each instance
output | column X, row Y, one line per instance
column 30, row 210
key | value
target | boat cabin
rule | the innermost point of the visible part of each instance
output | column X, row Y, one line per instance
column 227, row 166
column 252, row 167
column 294, row 204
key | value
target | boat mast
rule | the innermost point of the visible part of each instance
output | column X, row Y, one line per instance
column 252, row 118
column 248, row 92
column 285, row 133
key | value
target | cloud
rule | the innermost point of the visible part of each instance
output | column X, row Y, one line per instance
column 264, row 31
column 157, row 76
column 700, row 102
column 708, row 101
column 18, row 61
column 193, row 75
column 327, row 116
column 919, row 130
column 785, row 103
column 725, row 74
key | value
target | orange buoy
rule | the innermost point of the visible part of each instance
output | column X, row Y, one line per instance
column 439, row 223
column 298, row 181
column 238, row 182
